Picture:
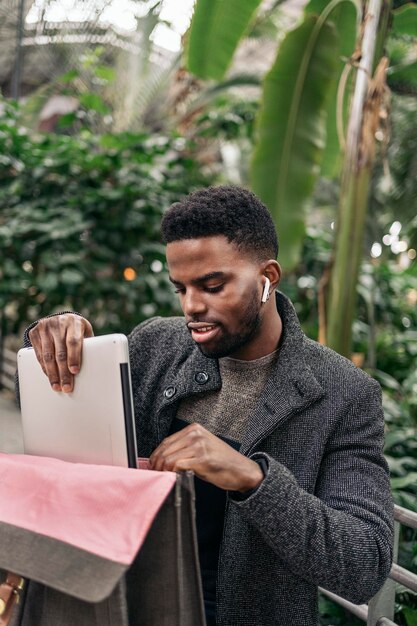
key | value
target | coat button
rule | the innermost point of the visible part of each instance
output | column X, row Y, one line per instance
column 169, row 392
column 201, row 378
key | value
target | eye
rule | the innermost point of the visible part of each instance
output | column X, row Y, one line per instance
column 214, row 289
column 179, row 290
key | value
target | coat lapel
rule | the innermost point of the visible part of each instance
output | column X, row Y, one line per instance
column 196, row 374
column 283, row 397
column 290, row 389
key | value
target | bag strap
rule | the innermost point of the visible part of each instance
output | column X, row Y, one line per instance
column 9, row 596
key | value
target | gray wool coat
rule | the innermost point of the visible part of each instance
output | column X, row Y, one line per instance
column 323, row 515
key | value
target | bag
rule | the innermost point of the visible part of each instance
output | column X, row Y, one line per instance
column 98, row 545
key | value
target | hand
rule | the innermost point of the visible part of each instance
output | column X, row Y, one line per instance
column 195, row 448
column 58, row 343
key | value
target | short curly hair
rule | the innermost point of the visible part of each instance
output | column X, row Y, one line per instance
column 231, row 211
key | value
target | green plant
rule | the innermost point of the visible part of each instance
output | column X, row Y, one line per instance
column 79, row 222
column 292, row 120
column 383, row 333
column 301, row 122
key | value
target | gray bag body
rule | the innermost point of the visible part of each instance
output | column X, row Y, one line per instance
column 162, row 587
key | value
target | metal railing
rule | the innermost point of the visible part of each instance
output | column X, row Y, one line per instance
column 7, row 369
column 380, row 609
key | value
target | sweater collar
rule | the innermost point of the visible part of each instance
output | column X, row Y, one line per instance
column 291, row 387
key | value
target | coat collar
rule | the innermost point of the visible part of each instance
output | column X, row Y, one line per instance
column 291, row 388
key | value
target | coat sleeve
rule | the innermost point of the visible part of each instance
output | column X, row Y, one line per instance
column 341, row 536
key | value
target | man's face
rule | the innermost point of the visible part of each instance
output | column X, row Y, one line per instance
column 219, row 291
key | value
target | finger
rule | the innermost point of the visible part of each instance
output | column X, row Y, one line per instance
column 75, row 334
column 193, row 430
column 35, row 340
column 183, row 465
column 58, row 331
column 191, row 437
column 52, row 336
column 171, row 462
column 48, row 356
column 159, row 456
column 189, row 460
column 66, row 378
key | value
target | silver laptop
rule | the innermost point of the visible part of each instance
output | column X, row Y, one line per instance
column 94, row 423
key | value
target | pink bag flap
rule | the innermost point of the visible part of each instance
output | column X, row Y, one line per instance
column 106, row 511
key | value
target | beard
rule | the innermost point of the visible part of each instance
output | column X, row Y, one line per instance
column 230, row 343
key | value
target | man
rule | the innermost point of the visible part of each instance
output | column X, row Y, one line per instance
column 284, row 435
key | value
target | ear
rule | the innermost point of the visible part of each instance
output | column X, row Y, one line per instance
column 272, row 271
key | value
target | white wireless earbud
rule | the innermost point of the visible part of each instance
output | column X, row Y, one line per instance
column 265, row 293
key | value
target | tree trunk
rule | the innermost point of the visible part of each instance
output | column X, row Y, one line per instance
column 356, row 176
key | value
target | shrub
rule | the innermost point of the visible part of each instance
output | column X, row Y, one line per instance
column 79, row 223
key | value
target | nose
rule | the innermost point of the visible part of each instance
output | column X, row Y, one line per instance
column 192, row 303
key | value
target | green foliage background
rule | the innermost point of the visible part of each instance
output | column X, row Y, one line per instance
column 75, row 211
column 385, row 333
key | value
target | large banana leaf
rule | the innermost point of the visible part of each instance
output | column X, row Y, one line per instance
column 345, row 15
column 405, row 20
column 291, row 128
column 209, row 93
column 403, row 72
column 216, row 28
column 405, row 75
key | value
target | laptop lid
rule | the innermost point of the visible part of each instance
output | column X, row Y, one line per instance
column 94, row 423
